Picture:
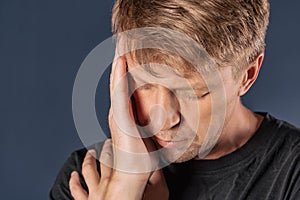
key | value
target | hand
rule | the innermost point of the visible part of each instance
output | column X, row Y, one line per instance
column 156, row 187
column 118, row 158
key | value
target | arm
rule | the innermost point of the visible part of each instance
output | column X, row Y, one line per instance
column 117, row 181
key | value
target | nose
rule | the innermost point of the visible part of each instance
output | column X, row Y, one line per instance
column 171, row 108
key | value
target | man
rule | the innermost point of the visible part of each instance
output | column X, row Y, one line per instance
column 255, row 156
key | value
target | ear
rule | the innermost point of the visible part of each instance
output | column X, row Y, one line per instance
column 251, row 74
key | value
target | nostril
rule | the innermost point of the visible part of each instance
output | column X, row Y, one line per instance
column 172, row 121
column 176, row 119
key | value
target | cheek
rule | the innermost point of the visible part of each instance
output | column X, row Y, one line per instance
column 231, row 88
column 205, row 116
column 232, row 97
column 198, row 117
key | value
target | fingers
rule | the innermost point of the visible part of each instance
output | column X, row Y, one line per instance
column 118, row 70
column 76, row 189
column 128, row 146
column 106, row 161
column 89, row 170
column 119, row 87
column 112, row 75
column 121, row 110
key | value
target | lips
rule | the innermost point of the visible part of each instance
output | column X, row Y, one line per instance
column 170, row 143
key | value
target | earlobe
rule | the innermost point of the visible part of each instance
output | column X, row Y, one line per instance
column 251, row 74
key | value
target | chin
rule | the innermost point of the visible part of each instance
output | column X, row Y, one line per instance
column 178, row 157
column 182, row 159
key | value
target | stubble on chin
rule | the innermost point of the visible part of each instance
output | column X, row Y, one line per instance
column 176, row 156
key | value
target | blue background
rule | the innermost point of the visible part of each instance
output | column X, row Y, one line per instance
column 43, row 43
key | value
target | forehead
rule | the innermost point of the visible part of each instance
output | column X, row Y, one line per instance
column 162, row 74
column 176, row 69
column 175, row 61
column 159, row 65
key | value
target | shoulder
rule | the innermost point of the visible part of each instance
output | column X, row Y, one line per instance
column 286, row 148
column 283, row 131
column 281, row 142
column 277, row 141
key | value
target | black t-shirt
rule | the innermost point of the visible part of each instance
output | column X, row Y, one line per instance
column 266, row 167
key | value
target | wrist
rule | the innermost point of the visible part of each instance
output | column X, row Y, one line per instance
column 126, row 188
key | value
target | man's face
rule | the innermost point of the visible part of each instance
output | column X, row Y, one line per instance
column 185, row 103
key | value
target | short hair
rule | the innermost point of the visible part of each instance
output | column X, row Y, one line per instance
column 231, row 31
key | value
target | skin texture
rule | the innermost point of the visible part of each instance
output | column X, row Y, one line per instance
column 240, row 124
column 115, row 183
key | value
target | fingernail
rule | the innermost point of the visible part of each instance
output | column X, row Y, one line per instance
column 119, row 68
column 119, row 62
column 73, row 173
column 92, row 152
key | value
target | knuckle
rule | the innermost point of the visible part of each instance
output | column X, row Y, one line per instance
column 88, row 161
column 87, row 167
column 105, row 180
column 106, row 159
column 74, row 186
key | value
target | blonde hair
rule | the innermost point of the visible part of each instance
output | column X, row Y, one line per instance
column 231, row 31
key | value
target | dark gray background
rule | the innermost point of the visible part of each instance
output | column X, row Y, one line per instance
column 42, row 44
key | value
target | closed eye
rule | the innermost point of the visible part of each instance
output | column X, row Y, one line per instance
column 197, row 97
column 146, row 86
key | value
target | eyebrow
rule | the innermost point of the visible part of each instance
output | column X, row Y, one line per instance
column 204, row 88
column 151, row 69
column 192, row 87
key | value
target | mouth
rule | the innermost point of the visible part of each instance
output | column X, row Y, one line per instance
column 170, row 143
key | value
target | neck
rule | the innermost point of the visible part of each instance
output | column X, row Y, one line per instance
column 240, row 127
